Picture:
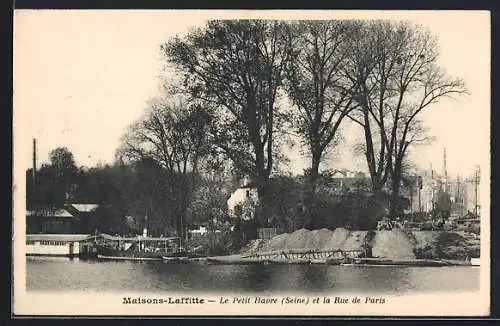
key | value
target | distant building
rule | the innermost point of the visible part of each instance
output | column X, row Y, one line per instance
column 202, row 230
column 427, row 195
column 473, row 195
column 462, row 191
column 71, row 219
column 49, row 221
column 67, row 245
column 243, row 201
column 345, row 180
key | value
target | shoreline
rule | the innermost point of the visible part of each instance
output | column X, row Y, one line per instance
column 238, row 260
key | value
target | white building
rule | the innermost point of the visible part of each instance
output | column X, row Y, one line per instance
column 67, row 245
column 243, row 201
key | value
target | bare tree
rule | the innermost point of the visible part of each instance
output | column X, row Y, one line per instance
column 318, row 88
column 236, row 68
column 174, row 136
column 396, row 76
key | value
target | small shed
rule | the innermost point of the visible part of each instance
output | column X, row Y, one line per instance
column 66, row 245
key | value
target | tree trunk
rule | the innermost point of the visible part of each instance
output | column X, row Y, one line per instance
column 261, row 211
column 310, row 194
column 182, row 207
column 394, row 201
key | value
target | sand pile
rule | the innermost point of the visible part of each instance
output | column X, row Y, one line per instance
column 392, row 244
column 300, row 239
column 297, row 239
column 253, row 246
column 318, row 239
column 355, row 240
column 338, row 239
column 276, row 243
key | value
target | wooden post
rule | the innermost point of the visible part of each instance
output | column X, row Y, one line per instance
column 33, row 181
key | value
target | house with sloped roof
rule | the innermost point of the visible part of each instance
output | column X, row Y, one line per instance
column 71, row 219
column 243, row 200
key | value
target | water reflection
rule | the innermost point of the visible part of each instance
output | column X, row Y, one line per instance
column 64, row 274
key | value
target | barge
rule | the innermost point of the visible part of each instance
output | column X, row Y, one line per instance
column 139, row 248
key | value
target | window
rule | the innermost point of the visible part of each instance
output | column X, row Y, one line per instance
column 53, row 243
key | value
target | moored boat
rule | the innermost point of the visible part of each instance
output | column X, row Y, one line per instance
column 139, row 248
column 105, row 257
column 391, row 262
column 475, row 261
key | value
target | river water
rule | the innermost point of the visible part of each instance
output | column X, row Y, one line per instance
column 63, row 274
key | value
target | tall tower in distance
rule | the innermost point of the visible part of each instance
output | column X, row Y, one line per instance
column 34, row 162
column 445, row 172
column 33, row 177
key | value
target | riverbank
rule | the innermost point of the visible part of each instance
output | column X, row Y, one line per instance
column 394, row 247
column 394, row 244
column 239, row 260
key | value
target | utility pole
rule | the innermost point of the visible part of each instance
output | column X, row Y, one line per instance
column 412, row 194
column 419, row 194
column 477, row 174
column 445, row 172
column 459, row 197
column 33, row 176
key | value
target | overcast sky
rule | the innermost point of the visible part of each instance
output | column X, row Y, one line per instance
column 81, row 77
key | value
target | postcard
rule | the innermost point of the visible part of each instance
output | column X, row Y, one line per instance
column 251, row 163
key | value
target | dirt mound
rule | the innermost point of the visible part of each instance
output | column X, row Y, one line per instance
column 392, row 244
column 355, row 240
column 338, row 238
column 297, row 239
column 253, row 246
column 318, row 239
column 302, row 239
column 276, row 243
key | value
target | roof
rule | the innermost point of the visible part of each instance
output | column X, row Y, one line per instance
column 61, row 213
column 51, row 213
column 85, row 207
column 458, row 220
column 250, row 185
column 137, row 238
column 57, row 237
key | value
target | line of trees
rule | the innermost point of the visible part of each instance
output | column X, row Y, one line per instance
column 381, row 75
column 243, row 86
